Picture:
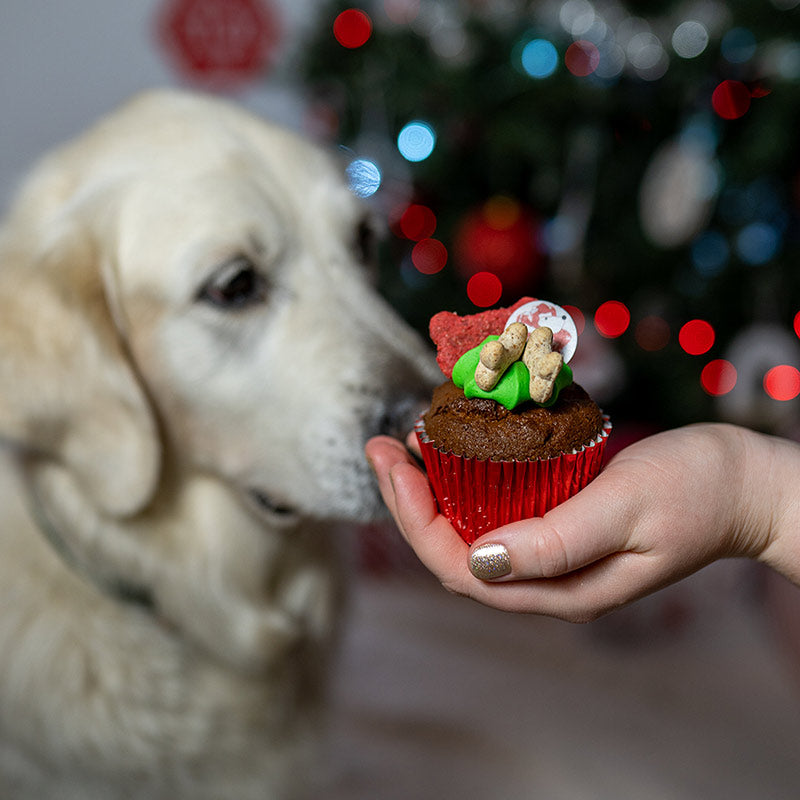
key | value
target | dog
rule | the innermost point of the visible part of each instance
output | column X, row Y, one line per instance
column 192, row 355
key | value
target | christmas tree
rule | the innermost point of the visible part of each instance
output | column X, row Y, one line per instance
column 638, row 163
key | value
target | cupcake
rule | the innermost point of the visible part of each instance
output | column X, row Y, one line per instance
column 510, row 434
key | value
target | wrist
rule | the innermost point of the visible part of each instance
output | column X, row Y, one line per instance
column 771, row 497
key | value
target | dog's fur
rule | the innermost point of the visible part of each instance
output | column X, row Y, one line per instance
column 191, row 358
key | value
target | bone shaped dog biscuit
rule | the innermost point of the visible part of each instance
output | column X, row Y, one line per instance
column 543, row 364
column 496, row 356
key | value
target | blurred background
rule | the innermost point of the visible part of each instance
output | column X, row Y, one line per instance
column 636, row 162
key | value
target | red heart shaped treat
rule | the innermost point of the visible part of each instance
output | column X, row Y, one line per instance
column 454, row 335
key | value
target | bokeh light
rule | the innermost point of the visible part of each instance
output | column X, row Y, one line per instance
column 576, row 16
column 696, row 337
column 364, row 177
column 757, row 243
column 796, row 324
column 612, row 319
column 731, row 99
column 401, row 12
column 416, row 141
column 690, row 39
column 710, row 253
column 582, row 58
column 560, row 234
column 484, row 289
column 539, row 58
column 417, row 222
column 647, row 56
column 352, row 28
column 612, row 60
column 718, row 377
column 429, row 256
column 578, row 317
column 652, row 333
column 738, row 45
column 501, row 212
column 782, row 382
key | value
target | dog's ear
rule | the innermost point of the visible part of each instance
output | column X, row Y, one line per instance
column 68, row 389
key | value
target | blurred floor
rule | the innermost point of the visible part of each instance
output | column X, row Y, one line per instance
column 684, row 696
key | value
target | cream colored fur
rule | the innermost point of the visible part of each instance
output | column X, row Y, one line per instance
column 169, row 588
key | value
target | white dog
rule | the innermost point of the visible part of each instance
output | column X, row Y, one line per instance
column 191, row 358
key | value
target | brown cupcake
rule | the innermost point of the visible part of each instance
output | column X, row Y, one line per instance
column 489, row 465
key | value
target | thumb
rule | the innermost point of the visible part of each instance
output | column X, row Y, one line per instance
column 579, row 532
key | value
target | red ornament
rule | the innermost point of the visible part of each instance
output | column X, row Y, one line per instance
column 220, row 43
column 501, row 237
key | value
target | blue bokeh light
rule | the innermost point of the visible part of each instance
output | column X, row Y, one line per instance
column 539, row 58
column 710, row 253
column 738, row 45
column 364, row 177
column 757, row 243
column 416, row 141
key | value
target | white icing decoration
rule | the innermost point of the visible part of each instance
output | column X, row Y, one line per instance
column 542, row 313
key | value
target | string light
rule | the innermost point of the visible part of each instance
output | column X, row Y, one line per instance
column 731, row 99
column 757, row 243
column 782, row 382
column 417, row 222
column 738, row 45
column 652, row 333
column 710, row 253
column 364, row 177
column 539, row 58
column 429, row 256
column 690, row 39
column 416, row 141
column 718, row 377
column 577, row 317
column 352, row 28
column 612, row 319
column 582, row 58
column 484, row 289
column 696, row 337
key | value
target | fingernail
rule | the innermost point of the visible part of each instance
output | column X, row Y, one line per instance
column 489, row 561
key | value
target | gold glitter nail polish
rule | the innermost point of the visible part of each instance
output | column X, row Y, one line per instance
column 489, row 561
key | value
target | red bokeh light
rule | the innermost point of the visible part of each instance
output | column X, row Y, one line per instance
column 500, row 237
column 612, row 319
column 484, row 289
column 797, row 323
column 652, row 333
column 696, row 337
column 429, row 256
column 731, row 99
column 782, row 382
column 577, row 316
column 718, row 377
column 582, row 58
column 417, row 222
column 352, row 28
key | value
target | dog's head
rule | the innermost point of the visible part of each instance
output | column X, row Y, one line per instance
column 186, row 282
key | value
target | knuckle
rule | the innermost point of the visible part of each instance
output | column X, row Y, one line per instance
column 550, row 553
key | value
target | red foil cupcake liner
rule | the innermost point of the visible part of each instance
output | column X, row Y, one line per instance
column 478, row 495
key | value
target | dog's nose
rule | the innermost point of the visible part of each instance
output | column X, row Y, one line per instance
column 399, row 414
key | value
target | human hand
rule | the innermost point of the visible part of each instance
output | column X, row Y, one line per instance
column 663, row 508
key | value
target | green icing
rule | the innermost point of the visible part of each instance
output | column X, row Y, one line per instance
column 512, row 388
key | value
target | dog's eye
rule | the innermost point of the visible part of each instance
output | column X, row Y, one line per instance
column 236, row 285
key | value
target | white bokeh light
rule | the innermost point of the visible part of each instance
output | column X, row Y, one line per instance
column 690, row 39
